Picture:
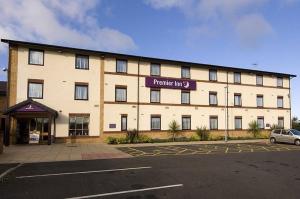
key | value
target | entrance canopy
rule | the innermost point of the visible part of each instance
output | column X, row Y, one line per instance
column 29, row 107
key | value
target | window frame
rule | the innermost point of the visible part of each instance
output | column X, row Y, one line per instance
column 154, row 89
column 213, row 117
column 88, row 61
column 79, row 115
column 189, row 69
column 262, row 80
column 37, row 50
column 279, row 86
column 280, row 97
column 262, row 96
column 238, row 118
column 126, row 65
column 151, row 64
column 234, row 101
column 186, row 117
column 82, row 84
column 155, row 116
column 210, row 71
column 280, row 118
column 237, row 73
column 35, row 81
column 124, row 116
column 261, row 118
column 120, row 87
column 186, row 91
column 213, row 93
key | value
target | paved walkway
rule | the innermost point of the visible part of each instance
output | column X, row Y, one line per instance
column 59, row 152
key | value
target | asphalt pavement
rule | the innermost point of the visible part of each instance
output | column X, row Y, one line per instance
column 264, row 174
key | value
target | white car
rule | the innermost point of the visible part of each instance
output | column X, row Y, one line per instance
column 288, row 136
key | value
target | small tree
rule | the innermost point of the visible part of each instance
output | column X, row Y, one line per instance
column 174, row 129
column 295, row 123
column 132, row 135
column 254, row 128
column 202, row 132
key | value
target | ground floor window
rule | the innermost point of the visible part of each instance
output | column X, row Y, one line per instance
column 238, row 123
column 260, row 122
column 186, row 123
column 79, row 124
column 155, row 122
column 123, row 122
column 213, row 122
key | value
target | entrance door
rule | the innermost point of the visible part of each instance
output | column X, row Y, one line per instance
column 22, row 131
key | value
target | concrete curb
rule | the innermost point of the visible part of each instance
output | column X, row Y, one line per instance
column 192, row 143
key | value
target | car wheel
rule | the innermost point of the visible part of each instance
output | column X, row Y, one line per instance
column 273, row 140
column 297, row 142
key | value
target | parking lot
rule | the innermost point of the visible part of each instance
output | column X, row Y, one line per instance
column 206, row 149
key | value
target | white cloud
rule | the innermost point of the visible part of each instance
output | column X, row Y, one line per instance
column 71, row 23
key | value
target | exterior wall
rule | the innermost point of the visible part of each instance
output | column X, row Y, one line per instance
column 59, row 75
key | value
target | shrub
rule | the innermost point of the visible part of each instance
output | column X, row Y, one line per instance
column 202, row 132
column 254, row 129
column 174, row 129
column 132, row 136
column 194, row 138
column 112, row 140
column 144, row 139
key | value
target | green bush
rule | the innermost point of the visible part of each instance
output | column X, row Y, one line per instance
column 132, row 136
column 112, row 140
column 174, row 129
column 144, row 139
column 202, row 133
column 194, row 138
column 254, row 129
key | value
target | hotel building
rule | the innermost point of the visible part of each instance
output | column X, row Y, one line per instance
column 69, row 94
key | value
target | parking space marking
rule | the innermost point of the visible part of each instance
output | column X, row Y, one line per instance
column 10, row 170
column 127, row 191
column 83, row 172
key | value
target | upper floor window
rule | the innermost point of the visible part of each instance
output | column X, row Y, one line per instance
column 213, row 98
column 155, row 70
column 213, row 122
column 121, row 66
column 82, row 62
column 260, row 122
column 185, row 97
column 281, row 122
column 155, row 122
column 154, row 96
column 237, row 78
column 185, row 72
column 79, row 124
column 36, row 57
column 279, row 82
column 280, row 102
column 212, row 75
column 237, row 99
column 35, row 89
column 81, row 91
column 121, row 94
column 259, row 80
column 260, row 100
column 186, row 122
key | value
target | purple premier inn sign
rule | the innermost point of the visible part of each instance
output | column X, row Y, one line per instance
column 172, row 83
column 30, row 108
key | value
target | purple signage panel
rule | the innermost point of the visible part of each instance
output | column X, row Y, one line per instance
column 30, row 108
column 171, row 83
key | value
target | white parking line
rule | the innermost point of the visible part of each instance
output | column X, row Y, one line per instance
column 83, row 172
column 128, row 191
column 10, row 170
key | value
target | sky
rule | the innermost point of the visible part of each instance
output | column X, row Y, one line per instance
column 255, row 34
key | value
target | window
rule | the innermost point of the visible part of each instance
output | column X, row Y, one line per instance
column 154, row 96
column 121, row 94
column 81, row 91
column 185, row 97
column 238, row 123
column 155, row 70
column 281, row 122
column 260, row 122
column 279, row 82
column 212, row 75
column 237, row 78
column 79, row 124
column 36, row 57
column 35, row 89
column 185, row 72
column 121, row 66
column 280, row 102
column 213, row 122
column 259, row 80
column 155, row 122
column 260, row 100
column 237, row 99
column 186, row 122
column 82, row 62
column 123, row 122
column 213, row 99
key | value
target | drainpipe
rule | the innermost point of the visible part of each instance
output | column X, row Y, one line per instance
column 226, row 109
column 290, row 104
column 138, row 98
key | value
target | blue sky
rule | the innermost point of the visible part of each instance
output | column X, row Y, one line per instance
column 237, row 33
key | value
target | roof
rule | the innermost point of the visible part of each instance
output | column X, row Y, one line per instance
column 38, row 106
column 141, row 58
column 3, row 88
